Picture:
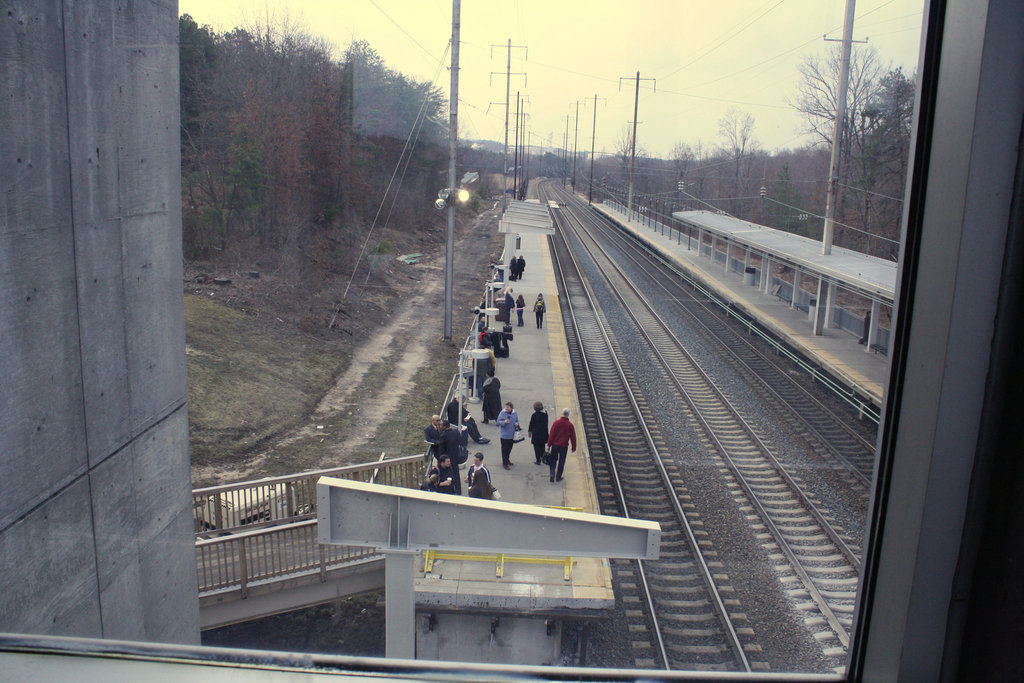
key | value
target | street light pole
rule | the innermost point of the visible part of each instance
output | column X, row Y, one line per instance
column 453, row 142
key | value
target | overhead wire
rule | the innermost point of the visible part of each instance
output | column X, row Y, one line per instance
column 417, row 126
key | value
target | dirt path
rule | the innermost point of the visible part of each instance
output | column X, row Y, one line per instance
column 405, row 341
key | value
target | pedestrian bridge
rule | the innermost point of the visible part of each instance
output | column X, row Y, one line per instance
column 256, row 544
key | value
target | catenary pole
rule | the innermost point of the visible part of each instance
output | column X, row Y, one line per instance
column 632, row 146
column 575, row 139
column 593, row 139
column 515, row 163
column 833, row 173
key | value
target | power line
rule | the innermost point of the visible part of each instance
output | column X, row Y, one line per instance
column 399, row 26
column 726, row 39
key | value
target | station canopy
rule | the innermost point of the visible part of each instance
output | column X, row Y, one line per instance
column 875, row 277
column 527, row 217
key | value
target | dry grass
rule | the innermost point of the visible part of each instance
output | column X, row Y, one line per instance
column 248, row 379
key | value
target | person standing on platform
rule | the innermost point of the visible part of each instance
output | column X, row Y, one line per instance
column 478, row 466
column 508, row 423
column 452, row 411
column 490, row 392
column 520, row 267
column 510, row 304
column 453, row 444
column 539, row 307
column 432, row 435
column 447, row 476
column 481, row 487
column 538, row 430
column 562, row 433
column 520, row 307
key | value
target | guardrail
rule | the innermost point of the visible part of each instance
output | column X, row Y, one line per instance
column 290, row 498
column 238, row 560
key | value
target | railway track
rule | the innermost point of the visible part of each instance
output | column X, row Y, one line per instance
column 830, row 433
column 677, row 616
column 817, row 566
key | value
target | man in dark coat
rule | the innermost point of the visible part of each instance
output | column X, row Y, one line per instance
column 520, row 267
column 491, row 395
column 538, row 431
column 432, row 435
column 447, row 476
column 453, row 444
column 452, row 411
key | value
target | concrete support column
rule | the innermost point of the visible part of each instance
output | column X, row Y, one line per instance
column 400, row 607
column 95, row 506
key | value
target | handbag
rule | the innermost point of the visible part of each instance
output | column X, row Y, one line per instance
column 548, row 458
column 495, row 494
column 518, row 436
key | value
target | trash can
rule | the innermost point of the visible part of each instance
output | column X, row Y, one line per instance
column 748, row 276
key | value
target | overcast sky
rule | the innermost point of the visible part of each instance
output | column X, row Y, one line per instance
column 705, row 56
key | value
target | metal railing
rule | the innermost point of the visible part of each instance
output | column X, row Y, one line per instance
column 290, row 498
column 262, row 530
column 239, row 560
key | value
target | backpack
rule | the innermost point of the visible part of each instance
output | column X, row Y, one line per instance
column 539, row 306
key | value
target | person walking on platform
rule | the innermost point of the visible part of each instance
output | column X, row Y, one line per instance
column 432, row 435
column 447, row 476
column 562, row 433
column 520, row 307
column 538, row 430
column 490, row 392
column 478, row 466
column 452, row 411
column 539, row 308
column 508, row 423
column 520, row 267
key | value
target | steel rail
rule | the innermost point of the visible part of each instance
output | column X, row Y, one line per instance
column 706, row 574
column 726, row 451
column 856, row 469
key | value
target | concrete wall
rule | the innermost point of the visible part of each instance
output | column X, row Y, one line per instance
column 95, row 526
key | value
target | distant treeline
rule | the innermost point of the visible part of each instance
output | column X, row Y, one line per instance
column 288, row 150
column 787, row 188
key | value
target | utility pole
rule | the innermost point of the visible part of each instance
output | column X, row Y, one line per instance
column 515, row 169
column 833, row 173
column 504, row 158
column 632, row 146
column 565, row 151
column 453, row 144
column 593, row 138
column 575, row 138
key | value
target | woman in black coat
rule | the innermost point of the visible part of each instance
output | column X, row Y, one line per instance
column 491, row 395
column 538, row 430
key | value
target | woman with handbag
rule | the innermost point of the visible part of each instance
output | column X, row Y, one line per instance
column 509, row 431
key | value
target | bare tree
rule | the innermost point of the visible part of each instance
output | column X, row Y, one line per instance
column 736, row 130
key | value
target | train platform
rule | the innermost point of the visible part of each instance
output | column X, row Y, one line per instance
column 466, row 600
column 836, row 350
